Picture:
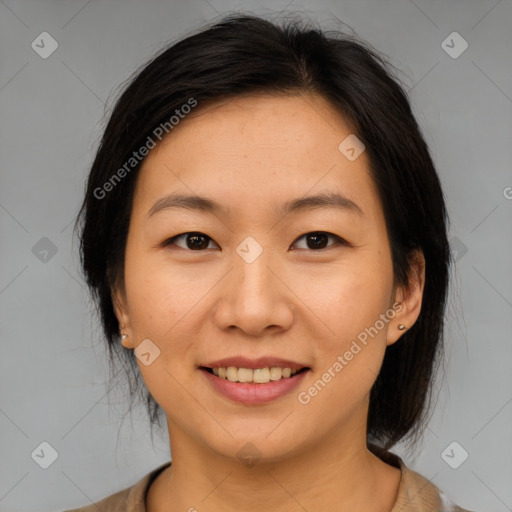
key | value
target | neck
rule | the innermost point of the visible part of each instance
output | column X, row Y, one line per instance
column 338, row 474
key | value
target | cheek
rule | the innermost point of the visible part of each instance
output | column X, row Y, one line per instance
column 162, row 302
column 159, row 303
column 350, row 357
column 352, row 296
column 165, row 384
column 159, row 293
column 352, row 306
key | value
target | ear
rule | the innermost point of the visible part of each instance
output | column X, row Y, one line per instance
column 121, row 310
column 410, row 297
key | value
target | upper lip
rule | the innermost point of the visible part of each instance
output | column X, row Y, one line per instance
column 260, row 362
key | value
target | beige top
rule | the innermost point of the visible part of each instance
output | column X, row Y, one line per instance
column 415, row 494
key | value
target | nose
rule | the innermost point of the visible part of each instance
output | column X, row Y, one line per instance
column 254, row 298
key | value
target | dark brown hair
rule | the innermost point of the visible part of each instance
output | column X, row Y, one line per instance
column 244, row 54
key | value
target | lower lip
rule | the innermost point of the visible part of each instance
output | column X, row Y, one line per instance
column 253, row 394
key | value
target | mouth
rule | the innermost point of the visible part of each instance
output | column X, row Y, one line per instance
column 262, row 375
column 254, row 382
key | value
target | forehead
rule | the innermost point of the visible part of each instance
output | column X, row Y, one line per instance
column 241, row 120
column 256, row 149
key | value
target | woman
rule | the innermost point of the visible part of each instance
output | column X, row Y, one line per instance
column 264, row 232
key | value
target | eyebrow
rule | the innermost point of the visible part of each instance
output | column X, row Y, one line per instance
column 194, row 202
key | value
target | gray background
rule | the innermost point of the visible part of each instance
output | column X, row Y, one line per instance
column 53, row 368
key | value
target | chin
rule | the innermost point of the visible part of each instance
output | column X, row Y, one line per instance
column 256, row 447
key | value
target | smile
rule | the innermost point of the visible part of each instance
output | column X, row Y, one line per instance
column 256, row 375
column 253, row 386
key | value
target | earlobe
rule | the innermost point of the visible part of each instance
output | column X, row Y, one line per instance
column 396, row 329
column 125, row 338
column 118, row 304
column 410, row 297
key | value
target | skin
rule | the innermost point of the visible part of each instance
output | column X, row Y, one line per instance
column 294, row 301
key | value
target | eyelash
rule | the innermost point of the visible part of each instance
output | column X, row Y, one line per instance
column 340, row 240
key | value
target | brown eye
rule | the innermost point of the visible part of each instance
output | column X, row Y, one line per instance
column 194, row 241
column 319, row 239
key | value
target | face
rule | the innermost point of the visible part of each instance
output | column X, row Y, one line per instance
column 309, row 286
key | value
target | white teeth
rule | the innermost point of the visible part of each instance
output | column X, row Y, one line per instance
column 232, row 373
column 244, row 374
column 275, row 373
column 261, row 375
column 257, row 376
